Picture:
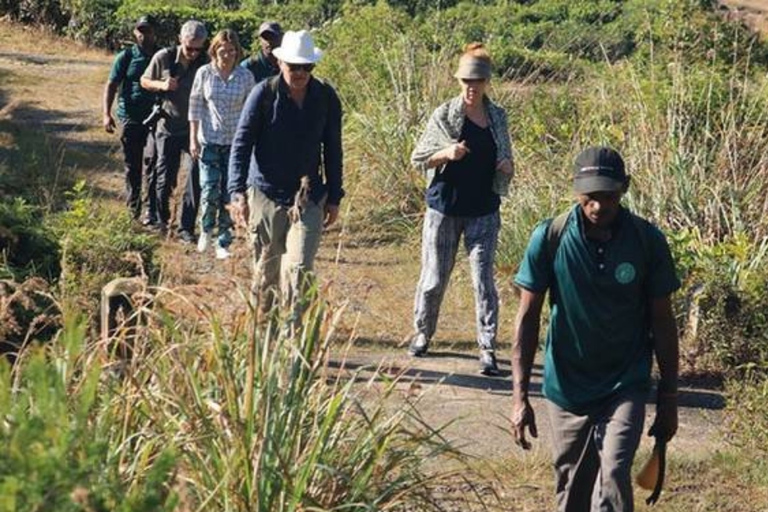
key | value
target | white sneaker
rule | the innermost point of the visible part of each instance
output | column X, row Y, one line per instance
column 203, row 242
column 222, row 253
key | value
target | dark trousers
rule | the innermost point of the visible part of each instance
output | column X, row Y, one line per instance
column 149, row 197
column 170, row 149
column 133, row 139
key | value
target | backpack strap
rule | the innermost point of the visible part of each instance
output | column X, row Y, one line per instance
column 555, row 233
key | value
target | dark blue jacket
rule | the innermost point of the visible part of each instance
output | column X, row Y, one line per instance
column 276, row 143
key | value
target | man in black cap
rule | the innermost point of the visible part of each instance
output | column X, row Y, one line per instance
column 610, row 276
column 133, row 106
column 263, row 64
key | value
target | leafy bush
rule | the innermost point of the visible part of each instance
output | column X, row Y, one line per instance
column 55, row 437
column 27, row 246
column 98, row 246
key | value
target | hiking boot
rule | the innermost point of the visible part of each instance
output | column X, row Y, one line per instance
column 488, row 364
column 419, row 345
column 203, row 242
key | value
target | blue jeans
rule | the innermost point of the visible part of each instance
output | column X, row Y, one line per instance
column 214, row 159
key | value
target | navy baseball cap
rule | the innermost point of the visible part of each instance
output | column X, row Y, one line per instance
column 599, row 169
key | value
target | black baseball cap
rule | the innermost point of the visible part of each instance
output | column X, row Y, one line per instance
column 599, row 169
column 144, row 22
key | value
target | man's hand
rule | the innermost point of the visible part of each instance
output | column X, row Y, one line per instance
column 665, row 424
column 330, row 214
column 170, row 84
column 238, row 210
column 109, row 123
column 522, row 417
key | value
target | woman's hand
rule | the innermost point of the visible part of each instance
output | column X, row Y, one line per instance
column 194, row 148
column 505, row 166
column 456, row 151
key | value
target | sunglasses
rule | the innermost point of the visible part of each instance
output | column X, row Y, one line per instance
column 193, row 49
column 469, row 81
column 301, row 67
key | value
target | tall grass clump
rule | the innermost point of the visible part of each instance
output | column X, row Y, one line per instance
column 389, row 82
column 261, row 421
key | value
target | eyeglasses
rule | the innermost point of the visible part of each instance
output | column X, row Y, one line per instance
column 471, row 81
column 301, row 67
column 193, row 49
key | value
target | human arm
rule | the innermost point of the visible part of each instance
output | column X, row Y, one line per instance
column 116, row 76
column 110, row 91
column 333, row 159
column 524, row 345
column 240, row 155
column 196, row 113
column 667, row 351
column 152, row 79
column 450, row 153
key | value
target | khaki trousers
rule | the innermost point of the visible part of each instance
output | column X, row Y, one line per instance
column 283, row 251
column 593, row 454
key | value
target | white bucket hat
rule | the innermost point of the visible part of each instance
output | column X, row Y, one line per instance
column 298, row 48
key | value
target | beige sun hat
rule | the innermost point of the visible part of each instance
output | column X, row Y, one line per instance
column 473, row 68
column 298, row 48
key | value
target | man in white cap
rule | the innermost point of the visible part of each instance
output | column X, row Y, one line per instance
column 263, row 64
column 287, row 157
column 610, row 276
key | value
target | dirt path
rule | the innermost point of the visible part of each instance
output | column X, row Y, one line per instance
column 59, row 91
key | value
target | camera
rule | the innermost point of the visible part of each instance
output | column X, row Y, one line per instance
column 155, row 115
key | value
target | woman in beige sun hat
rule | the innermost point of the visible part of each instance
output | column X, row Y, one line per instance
column 466, row 155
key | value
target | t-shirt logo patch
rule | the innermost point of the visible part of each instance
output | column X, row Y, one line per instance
column 625, row 273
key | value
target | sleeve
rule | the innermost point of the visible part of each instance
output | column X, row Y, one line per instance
column 430, row 142
column 535, row 272
column 505, row 149
column 662, row 276
column 244, row 141
column 196, row 97
column 155, row 69
column 332, row 151
column 119, row 67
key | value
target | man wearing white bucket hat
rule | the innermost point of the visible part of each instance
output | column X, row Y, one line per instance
column 285, row 170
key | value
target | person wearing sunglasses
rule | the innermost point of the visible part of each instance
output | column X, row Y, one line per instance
column 285, row 172
column 466, row 156
column 171, row 73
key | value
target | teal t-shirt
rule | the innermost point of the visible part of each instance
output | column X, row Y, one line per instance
column 134, row 103
column 598, row 343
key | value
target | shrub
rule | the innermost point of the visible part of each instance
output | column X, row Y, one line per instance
column 27, row 246
column 56, row 432
column 98, row 246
